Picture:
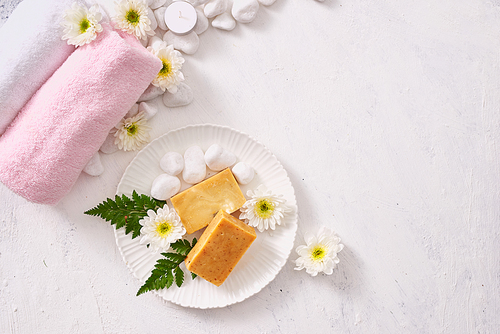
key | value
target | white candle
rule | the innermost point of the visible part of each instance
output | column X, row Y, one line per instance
column 180, row 17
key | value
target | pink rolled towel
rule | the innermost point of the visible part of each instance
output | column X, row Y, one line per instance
column 45, row 149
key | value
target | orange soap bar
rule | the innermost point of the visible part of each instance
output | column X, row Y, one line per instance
column 220, row 247
column 197, row 206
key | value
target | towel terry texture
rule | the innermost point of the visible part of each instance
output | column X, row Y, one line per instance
column 56, row 133
column 31, row 51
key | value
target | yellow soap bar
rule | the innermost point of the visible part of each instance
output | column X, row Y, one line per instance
column 197, row 206
column 220, row 248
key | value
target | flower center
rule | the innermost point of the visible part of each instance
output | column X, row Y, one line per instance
column 318, row 253
column 132, row 17
column 131, row 129
column 264, row 208
column 166, row 69
column 164, row 228
column 84, row 25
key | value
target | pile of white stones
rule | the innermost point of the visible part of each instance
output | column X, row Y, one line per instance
column 192, row 167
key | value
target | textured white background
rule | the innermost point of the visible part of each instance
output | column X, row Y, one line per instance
column 386, row 116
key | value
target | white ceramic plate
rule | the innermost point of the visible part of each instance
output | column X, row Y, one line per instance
column 265, row 257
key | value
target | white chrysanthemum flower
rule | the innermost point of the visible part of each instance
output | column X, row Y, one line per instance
column 170, row 76
column 264, row 209
column 132, row 133
column 132, row 17
column 81, row 25
column 320, row 252
column 161, row 228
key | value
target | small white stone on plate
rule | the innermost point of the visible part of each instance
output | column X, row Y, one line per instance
column 188, row 43
column 217, row 158
column 245, row 11
column 266, row 2
column 94, row 167
column 150, row 109
column 165, row 186
column 243, row 173
column 184, row 96
column 156, row 3
column 109, row 145
column 160, row 18
column 201, row 23
column 133, row 111
column 172, row 163
column 224, row 21
column 195, row 169
column 150, row 93
column 214, row 8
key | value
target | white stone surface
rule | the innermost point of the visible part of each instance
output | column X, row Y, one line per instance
column 243, row 172
column 157, row 3
column 150, row 109
column 109, row 145
column 152, row 18
column 195, row 169
column 217, row 158
column 201, row 23
column 268, row 2
column 188, row 43
column 94, row 167
column 132, row 111
column 172, row 163
column 197, row 3
column 183, row 97
column 245, row 11
column 160, row 18
column 224, row 21
column 165, row 186
column 215, row 7
column 150, row 93
column 404, row 98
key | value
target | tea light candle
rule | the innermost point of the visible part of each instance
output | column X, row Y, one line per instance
column 180, row 17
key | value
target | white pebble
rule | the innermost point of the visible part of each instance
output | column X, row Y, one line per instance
column 152, row 18
column 109, row 145
column 214, row 8
column 172, row 163
column 224, row 21
column 160, row 32
column 266, row 2
column 133, row 111
column 160, row 17
column 150, row 109
column 94, row 167
column 184, row 96
column 165, row 186
column 197, row 3
column 188, row 43
column 245, row 11
column 195, row 169
column 153, row 40
column 201, row 23
column 150, row 93
column 243, row 173
column 217, row 158
column 156, row 3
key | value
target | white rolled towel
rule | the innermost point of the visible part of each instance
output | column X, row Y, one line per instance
column 31, row 50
